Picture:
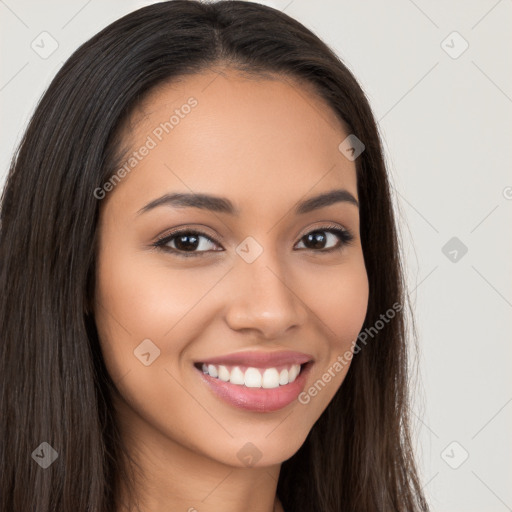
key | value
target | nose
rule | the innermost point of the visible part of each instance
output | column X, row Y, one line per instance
column 262, row 299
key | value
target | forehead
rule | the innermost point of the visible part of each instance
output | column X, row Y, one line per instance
column 223, row 131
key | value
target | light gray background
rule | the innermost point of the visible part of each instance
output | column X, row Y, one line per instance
column 446, row 124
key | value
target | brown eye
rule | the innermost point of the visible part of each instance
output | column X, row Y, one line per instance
column 317, row 240
column 186, row 243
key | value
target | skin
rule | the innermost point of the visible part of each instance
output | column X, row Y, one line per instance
column 266, row 144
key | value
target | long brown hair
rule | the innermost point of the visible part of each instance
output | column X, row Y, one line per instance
column 54, row 384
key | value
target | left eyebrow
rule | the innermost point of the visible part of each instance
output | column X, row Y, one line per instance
column 326, row 199
column 224, row 205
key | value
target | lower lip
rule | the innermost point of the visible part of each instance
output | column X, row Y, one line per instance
column 258, row 399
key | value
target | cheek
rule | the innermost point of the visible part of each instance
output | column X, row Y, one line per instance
column 340, row 301
column 139, row 298
column 339, row 298
column 144, row 297
column 348, row 306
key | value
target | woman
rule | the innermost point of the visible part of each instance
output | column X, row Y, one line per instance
column 203, row 296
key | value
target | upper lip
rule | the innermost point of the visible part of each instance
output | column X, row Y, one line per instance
column 261, row 359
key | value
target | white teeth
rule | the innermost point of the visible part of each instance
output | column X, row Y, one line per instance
column 223, row 373
column 212, row 370
column 253, row 377
column 294, row 371
column 237, row 376
column 270, row 378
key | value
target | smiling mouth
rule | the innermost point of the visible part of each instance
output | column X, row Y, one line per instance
column 253, row 377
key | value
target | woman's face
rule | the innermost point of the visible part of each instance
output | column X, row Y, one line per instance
column 268, row 287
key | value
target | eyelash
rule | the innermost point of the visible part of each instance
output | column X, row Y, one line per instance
column 345, row 236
